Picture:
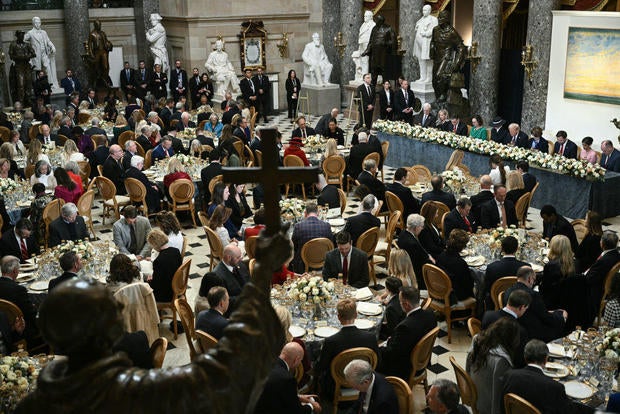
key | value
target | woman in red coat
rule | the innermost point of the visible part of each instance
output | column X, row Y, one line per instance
column 294, row 148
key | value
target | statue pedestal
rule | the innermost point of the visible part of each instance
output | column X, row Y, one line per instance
column 356, row 82
column 322, row 98
column 423, row 91
column 58, row 98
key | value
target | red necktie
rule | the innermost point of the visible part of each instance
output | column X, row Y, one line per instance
column 467, row 223
column 24, row 250
column 562, row 149
column 345, row 269
column 166, row 153
column 454, row 128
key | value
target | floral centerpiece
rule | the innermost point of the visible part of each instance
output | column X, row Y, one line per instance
column 7, row 184
column 454, row 179
column 292, row 209
column 82, row 247
column 610, row 347
column 314, row 142
column 498, row 234
column 187, row 133
column 185, row 159
column 311, row 290
column 18, row 375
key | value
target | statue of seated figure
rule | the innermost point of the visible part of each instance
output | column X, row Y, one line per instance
column 317, row 68
column 223, row 73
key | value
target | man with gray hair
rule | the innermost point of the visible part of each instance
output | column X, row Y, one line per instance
column 113, row 169
column 69, row 226
column 322, row 125
column 610, row 159
column 516, row 137
column 153, row 194
column 408, row 241
column 425, row 118
column 358, row 224
column 143, row 139
column 185, row 122
column 94, row 128
column 376, row 395
column 443, row 398
column 368, row 178
column 131, row 149
column 359, row 151
column 18, row 295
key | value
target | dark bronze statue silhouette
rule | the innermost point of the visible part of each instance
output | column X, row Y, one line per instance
column 448, row 53
column 99, row 48
column 20, row 74
column 381, row 45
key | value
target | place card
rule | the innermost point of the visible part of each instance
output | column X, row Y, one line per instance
column 593, row 381
column 303, row 321
column 321, row 323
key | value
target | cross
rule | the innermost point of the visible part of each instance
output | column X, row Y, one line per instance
column 270, row 175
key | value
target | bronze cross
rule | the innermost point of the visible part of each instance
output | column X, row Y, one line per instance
column 270, row 175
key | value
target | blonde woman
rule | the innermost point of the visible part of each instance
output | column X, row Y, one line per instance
column 515, row 186
column 35, row 153
column 55, row 124
column 400, row 267
column 331, row 148
column 71, row 152
column 561, row 266
column 176, row 171
column 120, row 126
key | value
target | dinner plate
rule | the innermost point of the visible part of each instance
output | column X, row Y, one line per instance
column 537, row 268
column 40, row 286
column 475, row 260
column 555, row 370
column 25, row 277
column 364, row 323
column 363, row 294
column 578, row 390
column 23, row 203
column 27, row 267
column 325, row 331
column 336, row 222
column 297, row 331
column 556, row 350
column 369, row 309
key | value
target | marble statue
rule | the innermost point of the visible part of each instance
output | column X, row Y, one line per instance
column 45, row 50
column 21, row 71
column 382, row 43
column 99, row 47
column 448, row 53
column 361, row 62
column 223, row 72
column 156, row 36
column 317, row 68
column 422, row 45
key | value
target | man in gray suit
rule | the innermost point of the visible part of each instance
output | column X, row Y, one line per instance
column 347, row 260
column 130, row 233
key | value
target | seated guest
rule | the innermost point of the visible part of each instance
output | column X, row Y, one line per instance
column 514, row 186
column 45, row 137
column 393, row 311
column 163, row 150
column 130, row 233
column 443, row 398
column 587, row 153
column 73, row 170
column 69, row 226
column 328, row 194
column 294, row 148
column 596, row 274
column 66, row 189
column 348, row 337
column 214, row 126
column 368, row 178
column 195, row 150
column 256, row 143
column 425, row 118
column 430, row 237
column 410, row 204
column 41, row 200
column 443, row 121
column 100, row 154
column 241, row 130
column 335, row 132
column 482, row 197
column 259, row 224
column 71, row 264
column 506, row 266
column 220, row 215
column 610, row 157
column 499, row 132
column 17, row 294
column 375, row 392
column 459, row 218
column 233, row 273
column 590, row 247
column 94, row 128
column 408, row 241
column 560, row 267
column 164, row 267
column 478, row 130
column 498, row 170
column 302, row 130
column 516, row 137
column 212, row 320
column 144, row 138
column 323, row 122
column 357, row 155
column 238, row 204
column 537, row 142
column 564, row 146
column 537, row 321
column 437, row 193
column 169, row 224
column 499, row 211
column 611, row 316
column 554, row 223
column 311, row 227
column 348, row 261
column 221, row 193
column 123, row 272
column 395, row 356
column 19, row 241
column 121, row 125
column 284, row 274
column 529, row 181
column 176, row 171
column 19, row 150
column 356, row 225
column 458, row 127
column 113, row 169
column 185, row 122
column 456, row 268
column 211, row 171
column 153, row 198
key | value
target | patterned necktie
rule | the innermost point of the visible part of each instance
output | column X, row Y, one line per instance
column 24, row 250
column 504, row 221
column 467, row 223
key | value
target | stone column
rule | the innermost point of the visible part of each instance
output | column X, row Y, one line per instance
column 77, row 28
column 351, row 18
column 143, row 10
column 539, row 22
column 485, row 80
column 331, row 26
column 410, row 11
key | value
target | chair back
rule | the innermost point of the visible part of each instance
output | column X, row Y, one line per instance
column 395, row 204
column 29, row 170
column 85, row 204
column 201, row 124
column 426, row 303
column 474, row 326
column 140, row 150
column 521, row 208
column 437, row 282
column 412, row 177
column 180, row 279
column 187, row 320
column 84, row 171
column 513, row 404
column 467, row 388
column 204, row 220
column 372, row 156
column 258, row 154
column 214, row 181
column 62, row 139
column 293, row 161
column 148, row 159
column 215, row 244
column 579, row 225
column 5, row 134
column 185, row 243
column 124, row 137
column 367, row 241
column 343, row 200
column 100, row 170
column 441, row 210
column 402, row 391
column 158, row 351
column 249, row 157
column 337, row 370
column 314, row 251
column 443, row 225
column 50, row 213
column 501, row 285
column 181, row 191
column 106, row 187
column 385, row 146
column 333, row 168
column 11, row 310
column 83, row 117
column 206, row 341
column 250, row 246
column 423, row 173
column 393, row 222
column 421, row 354
column 136, row 191
column 238, row 145
column 532, row 194
column 251, row 265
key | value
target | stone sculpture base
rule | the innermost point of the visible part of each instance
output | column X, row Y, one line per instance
column 58, row 98
column 423, row 91
column 322, row 98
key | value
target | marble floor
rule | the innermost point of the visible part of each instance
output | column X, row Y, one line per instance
column 198, row 251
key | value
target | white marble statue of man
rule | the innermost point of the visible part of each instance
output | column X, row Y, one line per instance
column 45, row 50
column 361, row 62
column 317, row 68
column 421, row 48
column 223, row 71
column 156, row 36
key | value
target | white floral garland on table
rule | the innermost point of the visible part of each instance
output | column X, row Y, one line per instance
column 563, row 165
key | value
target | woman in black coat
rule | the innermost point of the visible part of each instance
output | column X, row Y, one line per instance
column 429, row 237
column 164, row 266
column 456, row 268
column 238, row 204
column 590, row 247
column 153, row 195
column 293, row 86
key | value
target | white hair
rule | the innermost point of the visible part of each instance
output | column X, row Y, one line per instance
column 135, row 160
column 68, row 209
column 362, row 137
column 413, row 221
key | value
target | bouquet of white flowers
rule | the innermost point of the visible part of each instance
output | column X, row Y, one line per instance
column 81, row 247
column 7, row 184
column 292, row 209
column 313, row 289
column 610, row 347
column 454, row 178
column 18, row 375
column 498, row 234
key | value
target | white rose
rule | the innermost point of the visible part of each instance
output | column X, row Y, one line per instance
column 302, row 296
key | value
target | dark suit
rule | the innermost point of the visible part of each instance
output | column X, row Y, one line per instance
column 10, row 247
column 417, row 253
column 400, row 103
column 348, row 337
column 561, row 226
column 304, row 231
column 366, row 94
column 529, row 181
column 393, row 315
column 178, row 76
column 441, row 196
column 262, row 82
column 396, row 356
column 18, row 295
column 383, row 399
column 428, row 122
column 249, row 90
column 322, row 126
column 454, row 220
column 520, row 140
column 212, row 322
column 115, row 173
column 431, row 240
column 542, row 145
column 153, row 197
column 144, row 142
column 128, row 80
column 60, row 230
column 143, row 80
column 478, row 200
column 298, row 133
column 158, row 85
column 359, row 223
column 461, row 129
column 356, row 156
column 357, row 275
column 60, row 279
column 233, row 283
column 329, row 195
column 376, row 187
column 457, row 269
column 136, row 346
column 98, row 157
column 500, row 135
column 595, row 278
column 410, row 204
column 570, row 149
column 180, row 127
column 489, row 214
column 611, row 162
column 384, row 104
column 206, row 175
column 280, row 393
column 506, row 266
column 53, row 138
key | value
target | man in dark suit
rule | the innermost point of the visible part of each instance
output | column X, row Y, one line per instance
column 403, row 103
column 302, row 130
column 142, row 80
column 17, row 294
column 194, row 88
column 348, row 261
column 499, row 132
column 158, row 84
column 356, row 225
column 279, row 394
column 490, row 211
column 398, row 188
column 393, row 311
column 128, row 79
column 94, row 128
column 261, row 81
column 166, row 114
column 70, row 263
column 100, row 154
column 211, row 171
column 458, row 127
column 425, row 118
column 537, row 142
column 235, row 279
column 46, row 137
column 610, row 159
column 178, row 81
column 375, row 393
column 443, row 398
column 485, row 195
column 529, row 181
column 311, row 227
column 554, row 223
column 212, row 320
column 596, row 274
column 543, row 392
column 19, row 241
column 322, row 126
column 506, row 266
column 459, row 218
column 408, row 241
column 367, row 177
column 516, row 137
column 386, row 102
column 69, row 226
column 564, row 146
column 348, row 337
column 437, row 193
column 328, row 194
column 248, row 89
column 91, row 98
column 113, row 169
column 71, row 85
column 537, row 321
column 366, row 94
column 143, row 138
column 357, row 155
column 185, row 122
column 396, row 354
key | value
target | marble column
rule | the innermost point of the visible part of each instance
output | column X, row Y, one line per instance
column 143, row 10
column 351, row 18
column 331, row 26
column 410, row 11
column 539, row 23
column 77, row 28
column 487, row 32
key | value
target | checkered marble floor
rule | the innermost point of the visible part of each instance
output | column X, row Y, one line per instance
column 198, row 251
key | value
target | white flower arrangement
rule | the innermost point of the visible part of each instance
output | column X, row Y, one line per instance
column 498, row 234
column 454, row 178
column 185, row 159
column 18, row 375
column 7, row 184
column 292, row 208
column 311, row 290
column 314, row 141
column 569, row 166
column 187, row 133
column 82, row 247
column 610, row 347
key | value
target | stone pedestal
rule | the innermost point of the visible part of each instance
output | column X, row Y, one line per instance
column 330, row 27
column 409, row 12
column 423, row 91
column 351, row 18
column 58, row 99
column 321, row 98
column 77, row 29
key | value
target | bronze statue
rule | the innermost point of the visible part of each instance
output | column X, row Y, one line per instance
column 81, row 320
column 20, row 74
column 99, row 47
column 381, row 45
column 448, row 53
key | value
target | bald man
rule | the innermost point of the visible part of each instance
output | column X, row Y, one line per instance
column 233, row 273
column 280, row 393
column 113, row 169
column 485, row 194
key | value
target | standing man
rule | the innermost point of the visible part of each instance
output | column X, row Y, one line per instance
column 71, row 85
column 158, row 83
column 262, row 96
column 178, row 81
column 248, row 89
column 403, row 103
column 128, row 79
column 143, row 79
column 194, row 87
column 366, row 94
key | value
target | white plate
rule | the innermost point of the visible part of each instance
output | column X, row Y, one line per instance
column 146, row 266
column 475, row 260
column 23, row 203
column 340, row 147
column 336, row 222
column 363, row 294
column 369, row 309
column 364, row 323
column 578, row 390
column 25, row 277
column 40, row 286
column 556, row 350
column 27, row 267
column 297, row 331
column 537, row 268
column 325, row 331
column 556, row 370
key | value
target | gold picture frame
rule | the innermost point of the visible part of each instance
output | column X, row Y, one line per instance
column 252, row 45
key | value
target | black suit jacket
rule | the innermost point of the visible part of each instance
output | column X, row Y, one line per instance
column 376, row 187
column 429, row 122
column 393, row 315
column 384, row 105
column 125, row 82
column 358, row 267
column 280, row 393
column 417, row 253
column 356, row 156
column 10, row 246
column 13, row 292
column 410, row 204
column 396, row 356
column 59, row 231
column 561, row 226
column 330, row 196
column 232, row 284
column 457, row 269
column 431, row 240
column 174, row 82
column 570, row 149
column 454, row 220
column 521, row 140
column 477, row 201
column 611, row 162
column 60, row 279
column 400, row 104
column 212, row 322
column 542, row 145
column 500, row 135
column 261, row 83
column 383, row 399
column 506, row 266
column 491, row 317
column 461, row 129
column 529, row 181
column 297, row 132
column 366, row 99
column 98, row 157
column 489, row 214
column 359, row 223
column 348, row 337
column 595, row 277
column 207, row 174
column 322, row 125
column 442, row 196
column 246, row 89
column 159, row 84
column 136, row 346
column 114, row 171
